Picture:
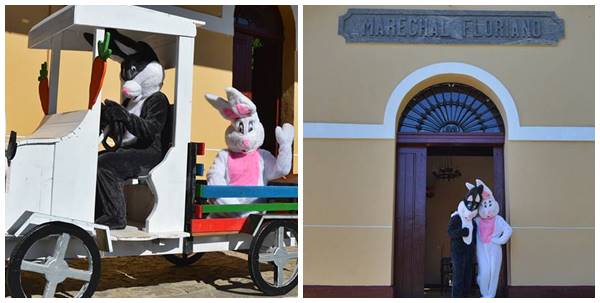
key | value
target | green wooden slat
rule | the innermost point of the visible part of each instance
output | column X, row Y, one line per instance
column 249, row 207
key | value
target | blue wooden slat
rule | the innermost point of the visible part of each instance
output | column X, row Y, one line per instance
column 199, row 169
column 221, row 191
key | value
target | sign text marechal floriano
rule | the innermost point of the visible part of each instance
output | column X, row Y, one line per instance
column 450, row 26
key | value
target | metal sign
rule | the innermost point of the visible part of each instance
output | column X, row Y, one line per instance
column 451, row 26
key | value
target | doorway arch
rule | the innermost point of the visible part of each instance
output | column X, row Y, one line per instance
column 437, row 113
column 257, row 62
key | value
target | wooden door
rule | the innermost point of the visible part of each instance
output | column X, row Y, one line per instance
column 257, row 63
column 409, row 220
column 242, row 62
column 499, row 195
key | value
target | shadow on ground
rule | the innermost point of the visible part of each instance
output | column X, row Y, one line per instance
column 216, row 274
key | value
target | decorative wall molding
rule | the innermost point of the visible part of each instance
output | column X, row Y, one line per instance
column 559, row 291
column 347, row 226
column 554, row 227
column 387, row 130
column 362, row 291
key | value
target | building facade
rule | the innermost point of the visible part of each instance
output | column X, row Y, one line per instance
column 223, row 55
column 375, row 216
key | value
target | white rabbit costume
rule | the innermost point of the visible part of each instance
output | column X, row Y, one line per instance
column 243, row 163
column 493, row 231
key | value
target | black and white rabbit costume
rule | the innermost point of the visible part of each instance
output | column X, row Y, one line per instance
column 463, row 230
column 146, row 135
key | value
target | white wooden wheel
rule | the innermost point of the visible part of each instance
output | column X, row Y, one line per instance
column 273, row 258
column 28, row 271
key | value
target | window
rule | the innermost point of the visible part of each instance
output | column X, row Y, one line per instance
column 451, row 108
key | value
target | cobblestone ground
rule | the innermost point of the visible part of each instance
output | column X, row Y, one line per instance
column 216, row 274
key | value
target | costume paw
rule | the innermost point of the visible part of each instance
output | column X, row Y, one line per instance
column 285, row 134
column 114, row 111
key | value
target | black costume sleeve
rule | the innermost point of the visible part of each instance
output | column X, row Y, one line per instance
column 455, row 227
column 154, row 118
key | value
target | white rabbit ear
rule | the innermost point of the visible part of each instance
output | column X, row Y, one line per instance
column 221, row 105
column 469, row 185
column 480, row 183
column 240, row 104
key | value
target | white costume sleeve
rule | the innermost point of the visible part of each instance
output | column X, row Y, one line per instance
column 217, row 175
column 506, row 232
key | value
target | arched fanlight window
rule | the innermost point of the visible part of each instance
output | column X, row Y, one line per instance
column 451, row 108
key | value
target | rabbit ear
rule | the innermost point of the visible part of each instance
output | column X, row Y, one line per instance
column 240, row 104
column 222, row 106
column 480, row 183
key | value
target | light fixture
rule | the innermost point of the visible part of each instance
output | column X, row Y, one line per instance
column 446, row 171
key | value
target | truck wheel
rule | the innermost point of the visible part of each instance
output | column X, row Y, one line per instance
column 273, row 258
column 183, row 259
column 29, row 274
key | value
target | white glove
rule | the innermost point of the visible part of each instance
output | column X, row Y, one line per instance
column 285, row 135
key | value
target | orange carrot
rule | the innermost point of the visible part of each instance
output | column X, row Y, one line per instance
column 43, row 89
column 99, row 69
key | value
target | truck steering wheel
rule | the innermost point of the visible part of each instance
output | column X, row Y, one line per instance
column 115, row 132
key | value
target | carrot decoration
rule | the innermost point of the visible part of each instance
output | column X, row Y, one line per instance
column 99, row 69
column 43, row 89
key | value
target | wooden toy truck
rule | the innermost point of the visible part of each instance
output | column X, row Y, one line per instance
column 51, row 179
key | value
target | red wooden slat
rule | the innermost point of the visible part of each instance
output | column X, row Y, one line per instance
column 200, row 150
column 217, row 224
column 197, row 211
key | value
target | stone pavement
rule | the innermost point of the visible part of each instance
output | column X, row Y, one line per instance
column 216, row 274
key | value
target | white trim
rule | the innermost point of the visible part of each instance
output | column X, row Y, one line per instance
column 223, row 24
column 54, row 73
column 513, row 227
column 387, row 130
column 347, row 226
column 555, row 227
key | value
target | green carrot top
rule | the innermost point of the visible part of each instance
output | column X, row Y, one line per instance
column 104, row 52
column 43, row 72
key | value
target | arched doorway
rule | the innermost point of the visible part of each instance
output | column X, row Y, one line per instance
column 257, row 62
column 442, row 119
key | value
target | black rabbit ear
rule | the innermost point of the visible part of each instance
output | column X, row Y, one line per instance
column 147, row 51
column 121, row 45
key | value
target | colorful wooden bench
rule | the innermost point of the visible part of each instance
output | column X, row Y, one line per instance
column 202, row 225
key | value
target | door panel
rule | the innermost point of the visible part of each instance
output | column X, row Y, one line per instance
column 409, row 220
column 499, row 195
column 242, row 60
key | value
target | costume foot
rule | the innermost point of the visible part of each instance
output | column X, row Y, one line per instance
column 102, row 219
column 117, row 225
column 112, row 222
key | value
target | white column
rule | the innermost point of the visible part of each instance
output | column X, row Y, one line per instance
column 56, row 44
column 168, row 179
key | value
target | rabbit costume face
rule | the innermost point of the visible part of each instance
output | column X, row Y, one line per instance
column 468, row 207
column 464, row 212
column 489, row 207
column 141, row 72
column 245, row 134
